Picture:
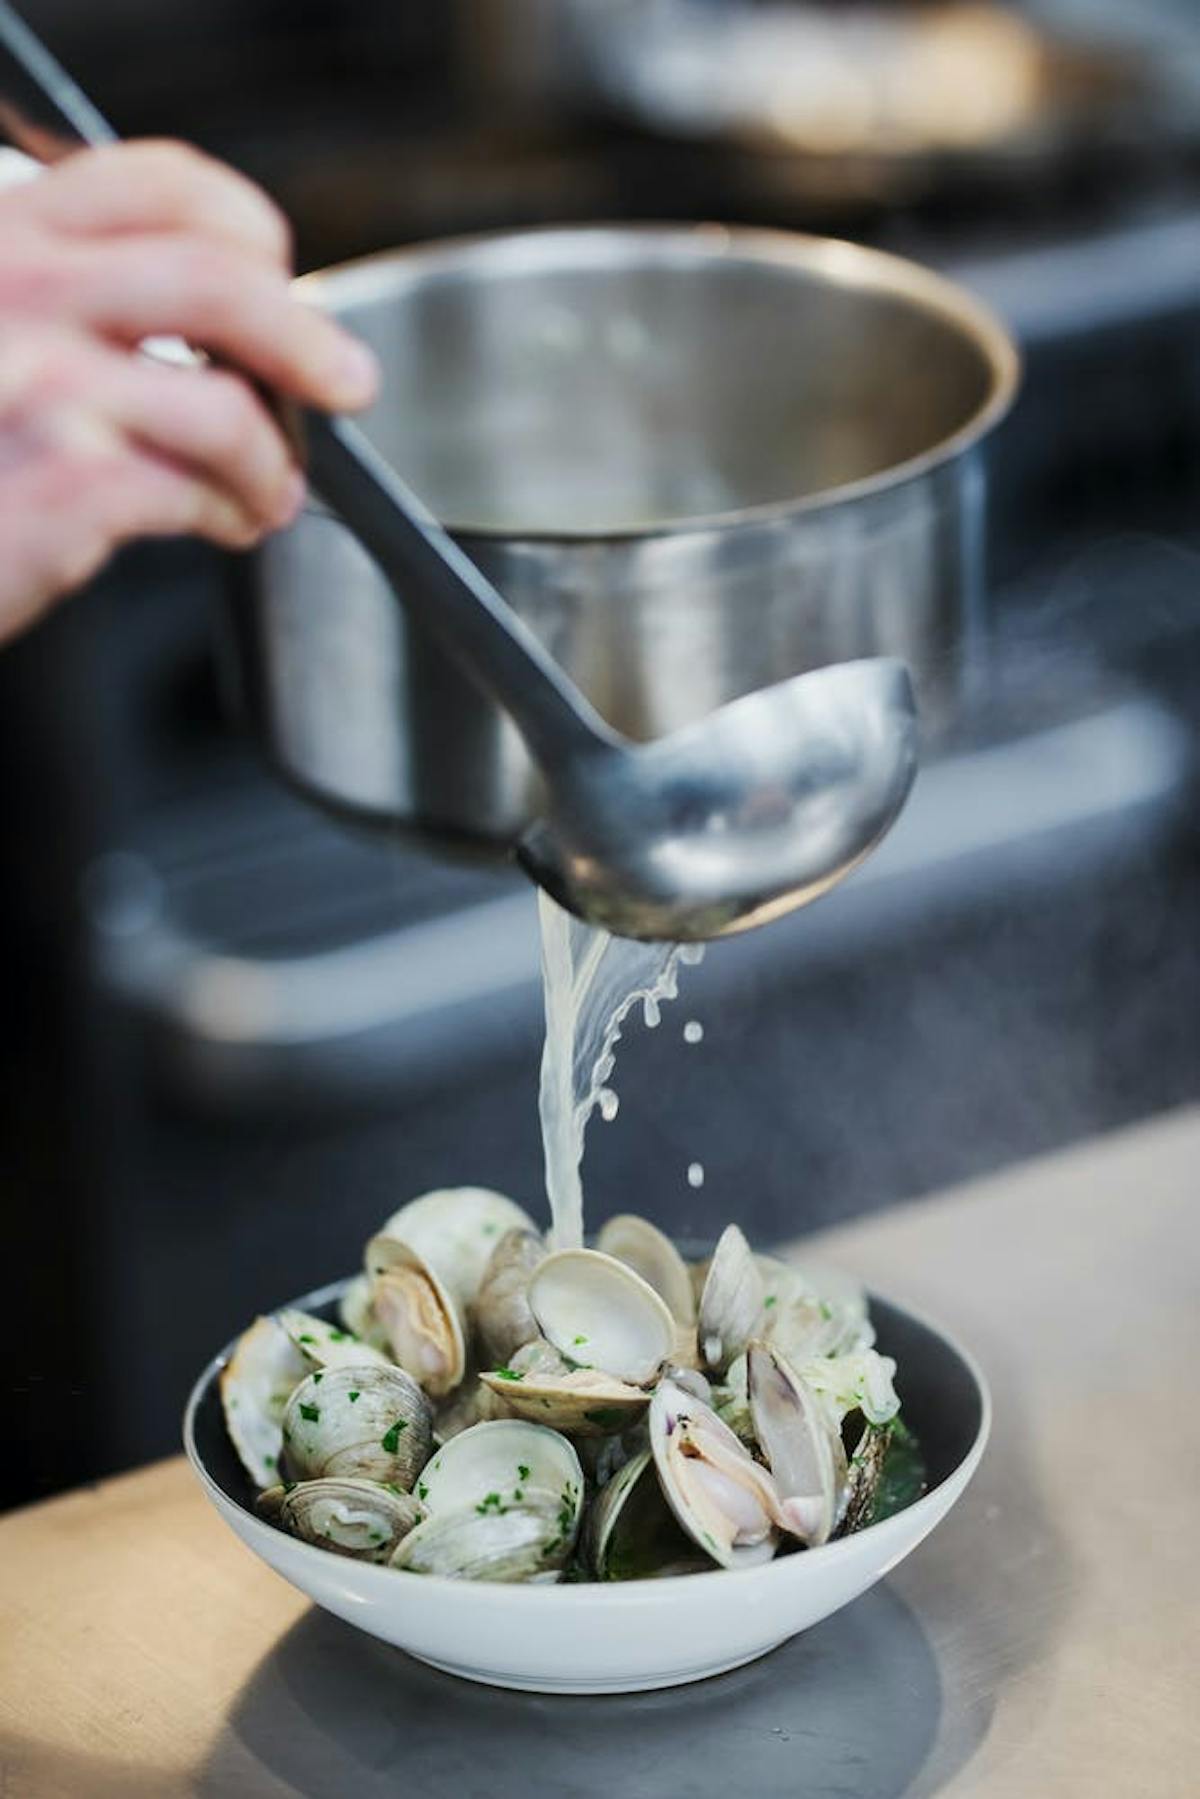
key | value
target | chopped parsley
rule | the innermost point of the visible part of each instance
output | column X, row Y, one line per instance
column 311, row 1412
column 507, row 1374
column 769, row 1300
column 340, row 1336
column 491, row 1503
column 422, row 1490
column 307, row 1337
column 522, row 1471
column 355, row 1395
column 390, row 1439
column 318, row 1377
column 575, row 1340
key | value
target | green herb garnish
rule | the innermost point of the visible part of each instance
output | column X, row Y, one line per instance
column 390, row 1439
column 311, row 1412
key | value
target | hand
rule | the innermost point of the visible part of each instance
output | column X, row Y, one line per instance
column 99, row 444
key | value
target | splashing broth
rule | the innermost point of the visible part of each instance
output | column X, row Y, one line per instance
column 592, row 982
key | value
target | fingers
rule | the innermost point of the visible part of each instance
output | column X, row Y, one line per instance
column 58, row 385
column 130, row 287
column 64, row 508
column 154, row 186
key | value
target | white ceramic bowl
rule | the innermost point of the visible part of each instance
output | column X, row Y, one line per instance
column 621, row 1637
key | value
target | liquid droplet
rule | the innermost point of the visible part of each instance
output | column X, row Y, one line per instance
column 651, row 1012
column 695, row 1174
column 693, row 1031
column 609, row 1102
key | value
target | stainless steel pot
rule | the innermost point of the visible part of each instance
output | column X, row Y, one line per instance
column 696, row 460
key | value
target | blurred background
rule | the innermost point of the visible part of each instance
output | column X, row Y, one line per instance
column 1018, row 970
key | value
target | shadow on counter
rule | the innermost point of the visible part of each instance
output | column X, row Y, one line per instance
column 851, row 1706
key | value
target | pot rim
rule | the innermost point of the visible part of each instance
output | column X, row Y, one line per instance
column 837, row 261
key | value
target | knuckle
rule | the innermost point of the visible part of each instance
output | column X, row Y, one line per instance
column 201, row 188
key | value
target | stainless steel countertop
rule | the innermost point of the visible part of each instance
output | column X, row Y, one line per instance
column 1041, row 1644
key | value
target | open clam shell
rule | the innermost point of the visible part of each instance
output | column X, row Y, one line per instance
column 600, row 1314
column 644, row 1248
column 505, row 1501
column 421, row 1316
column 358, row 1518
column 525, row 1542
column 454, row 1230
column 500, row 1311
column 582, row 1402
column 256, row 1384
column 632, row 1533
column 800, row 1437
column 327, row 1345
column 731, row 1303
column 358, row 1315
column 500, row 1464
column 725, row 1501
column 371, row 1423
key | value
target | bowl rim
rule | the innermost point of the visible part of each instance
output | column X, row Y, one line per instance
column 607, row 1593
column 838, row 261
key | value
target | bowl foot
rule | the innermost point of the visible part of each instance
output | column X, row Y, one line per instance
column 671, row 1677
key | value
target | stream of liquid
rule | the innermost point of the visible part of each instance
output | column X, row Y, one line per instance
column 592, row 981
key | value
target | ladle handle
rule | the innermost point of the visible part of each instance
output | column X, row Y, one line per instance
column 439, row 584
column 451, row 597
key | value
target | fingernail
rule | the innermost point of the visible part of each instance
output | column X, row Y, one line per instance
column 292, row 498
column 355, row 373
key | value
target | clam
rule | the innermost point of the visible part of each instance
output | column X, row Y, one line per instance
column 725, row 1501
column 862, row 1480
column 370, row 1423
column 360, row 1518
column 256, row 1384
column 800, row 1436
column 599, row 1314
column 526, row 1542
column 643, row 1247
column 327, row 1345
column 731, row 1303
column 502, row 1463
column 505, row 1501
column 581, row 1401
column 422, row 1318
column 632, row 1533
column 358, row 1315
column 501, row 1314
column 454, row 1231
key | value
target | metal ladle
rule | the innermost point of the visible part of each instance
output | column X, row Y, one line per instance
column 735, row 819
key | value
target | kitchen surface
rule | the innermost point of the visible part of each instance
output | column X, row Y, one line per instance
column 1041, row 1642
column 243, row 1028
